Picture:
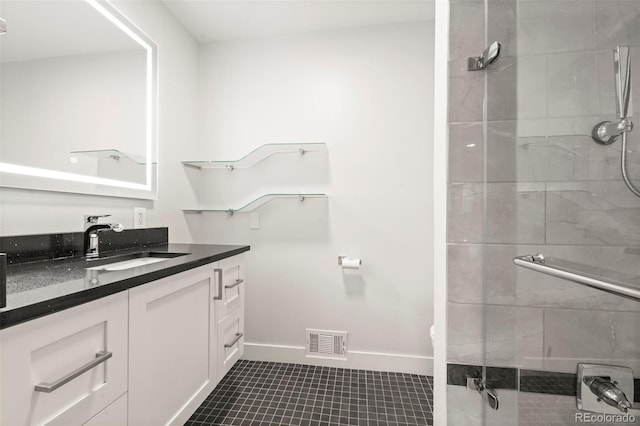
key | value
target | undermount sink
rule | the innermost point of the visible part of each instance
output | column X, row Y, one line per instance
column 136, row 260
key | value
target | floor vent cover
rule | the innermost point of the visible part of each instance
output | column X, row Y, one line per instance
column 326, row 344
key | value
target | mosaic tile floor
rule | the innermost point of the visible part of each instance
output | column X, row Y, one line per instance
column 270, row 393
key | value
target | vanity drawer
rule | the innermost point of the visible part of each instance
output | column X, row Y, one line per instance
column 64, row 368
column 113, row 415
column 230, row 341
column 230, row 285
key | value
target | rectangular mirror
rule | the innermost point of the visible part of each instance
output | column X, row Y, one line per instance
column 78, row 85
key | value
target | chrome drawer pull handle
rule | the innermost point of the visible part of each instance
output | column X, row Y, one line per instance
column 101, row 357
column 238, row 337
column 219, row 273
column 236, row 284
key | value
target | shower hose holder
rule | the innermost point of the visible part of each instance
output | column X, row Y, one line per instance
column 607, row 132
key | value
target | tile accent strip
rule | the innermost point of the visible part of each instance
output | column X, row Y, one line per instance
column 457, row 373
column 548, row 382
column 534, row 381
column 502, row 378
column 497, row 377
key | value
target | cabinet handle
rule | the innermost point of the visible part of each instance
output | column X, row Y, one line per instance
column 219, row 273
column 238, row 337
column 236, row 284
column 101, row 357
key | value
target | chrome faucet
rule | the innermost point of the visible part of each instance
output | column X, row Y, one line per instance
column 608, row 392
column 91, row 230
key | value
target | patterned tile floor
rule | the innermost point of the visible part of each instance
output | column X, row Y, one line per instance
column 270, row 393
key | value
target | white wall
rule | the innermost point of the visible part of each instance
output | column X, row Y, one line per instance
column 31, row 212
column 368, row 94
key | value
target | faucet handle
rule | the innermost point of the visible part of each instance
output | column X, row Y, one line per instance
column 94, row 218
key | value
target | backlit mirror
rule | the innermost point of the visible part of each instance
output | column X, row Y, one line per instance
column 77, row 99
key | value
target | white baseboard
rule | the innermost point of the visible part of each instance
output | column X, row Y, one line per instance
column 355, row 359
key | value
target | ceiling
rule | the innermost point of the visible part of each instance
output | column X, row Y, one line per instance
column 215, row 20
column 46, row 29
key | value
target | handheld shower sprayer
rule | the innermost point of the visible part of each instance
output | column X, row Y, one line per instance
column 607, row 132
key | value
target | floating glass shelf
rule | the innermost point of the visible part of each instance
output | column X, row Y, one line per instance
column 252, row 205
column 258, row 155
column 113, row 154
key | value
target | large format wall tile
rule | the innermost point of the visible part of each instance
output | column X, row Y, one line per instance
column 466, row 32
column 555, row 26
column 618, row 23
column 468, row 408
column 572, row 80
column 464, row 407
column 464, row 273
column 465, row 213
column 505, row 157
column 514, row 336
column 515, row 213
column 555, row 149
column 464, row 333
column 466, row 98
column 602, row 337
column 466, row 152
column 592, row 213
column 517, row 88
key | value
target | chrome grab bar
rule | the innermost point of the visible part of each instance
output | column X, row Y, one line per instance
column 235, row 340
column 101, row 357
column 582, row 274
column 236, row 284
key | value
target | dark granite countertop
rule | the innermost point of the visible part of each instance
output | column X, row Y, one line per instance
column 40, row 288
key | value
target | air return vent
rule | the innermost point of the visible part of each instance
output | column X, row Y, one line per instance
column 326, row 344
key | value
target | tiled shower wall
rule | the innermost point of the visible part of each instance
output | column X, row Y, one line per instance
column 547, row 188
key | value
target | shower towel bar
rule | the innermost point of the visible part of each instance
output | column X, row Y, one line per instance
column 614, row 282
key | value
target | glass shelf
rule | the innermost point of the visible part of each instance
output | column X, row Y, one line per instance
column 252, row 205
column 258, row 155
column 113, row 154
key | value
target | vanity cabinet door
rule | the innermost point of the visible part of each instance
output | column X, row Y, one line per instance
column 170, row 371
column 41, row 352
column 230, row 285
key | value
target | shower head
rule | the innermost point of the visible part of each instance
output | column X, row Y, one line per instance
column 489, row 56
column 3, row 26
